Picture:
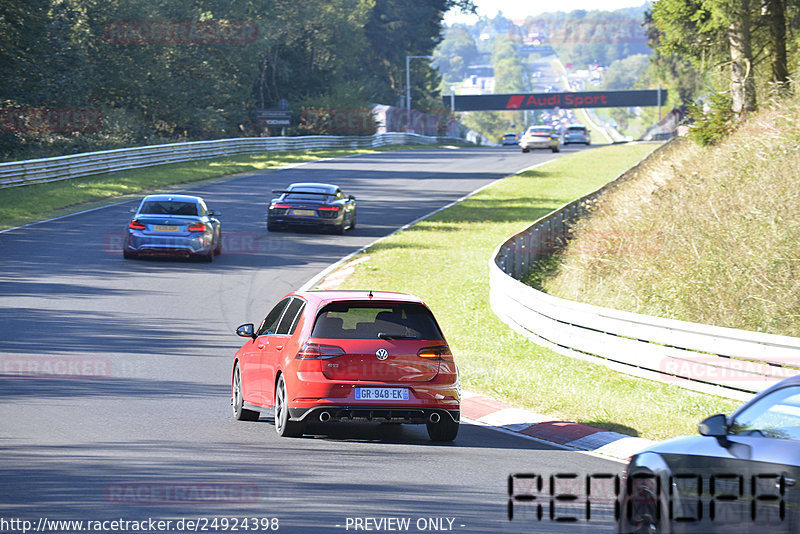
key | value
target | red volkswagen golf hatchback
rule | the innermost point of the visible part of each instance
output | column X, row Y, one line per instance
column 347, row 356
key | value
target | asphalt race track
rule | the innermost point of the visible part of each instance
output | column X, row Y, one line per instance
column 115, row 376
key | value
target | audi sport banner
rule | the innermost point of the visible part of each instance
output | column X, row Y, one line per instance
column 589, row 99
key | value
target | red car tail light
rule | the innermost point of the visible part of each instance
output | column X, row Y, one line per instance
column 315, row 351
column 136, row 225
column 279, row 206
column 328, row 208
column 441, row 352
column 197, row 227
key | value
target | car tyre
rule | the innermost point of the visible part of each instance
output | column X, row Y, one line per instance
column 556, row 149
column 218, row 249
column 240, row 413
column 445, row 430
column 272, row 227
column 283, row 425
column 525, row 150
column 128, row 255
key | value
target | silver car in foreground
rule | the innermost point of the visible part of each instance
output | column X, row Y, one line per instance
column 173, row 225
column 540, row 137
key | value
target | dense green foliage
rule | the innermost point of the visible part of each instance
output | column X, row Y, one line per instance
column 199, row 69
column 711, row 125
column 743, row 49
column 455, row 53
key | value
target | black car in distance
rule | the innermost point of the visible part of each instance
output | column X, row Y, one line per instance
column 310, row 204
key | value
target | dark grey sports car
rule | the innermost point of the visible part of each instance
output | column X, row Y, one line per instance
column 174, row 225
column 739, row 475
column 312, row 204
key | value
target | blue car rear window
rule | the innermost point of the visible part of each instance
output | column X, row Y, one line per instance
column 166, row 207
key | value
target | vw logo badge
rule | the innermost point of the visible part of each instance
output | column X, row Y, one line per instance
column 382, row 354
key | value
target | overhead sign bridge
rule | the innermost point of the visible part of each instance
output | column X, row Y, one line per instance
column 587, row 99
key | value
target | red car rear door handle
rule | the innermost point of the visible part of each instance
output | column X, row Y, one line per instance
column 261, row 345
column 278, row 347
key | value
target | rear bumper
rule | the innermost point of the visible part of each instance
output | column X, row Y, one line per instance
column 378, row 414
column 538, row 144
column 168, row 245
column 294, row 220
column 312, row 393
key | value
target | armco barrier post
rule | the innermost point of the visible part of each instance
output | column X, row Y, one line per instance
column 518, row 258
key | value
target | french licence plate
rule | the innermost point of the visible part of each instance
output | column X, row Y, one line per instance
column 389, row 394
column 304, row 213
column 161, row 228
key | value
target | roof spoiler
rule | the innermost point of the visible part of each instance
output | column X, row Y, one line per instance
column 299, row 192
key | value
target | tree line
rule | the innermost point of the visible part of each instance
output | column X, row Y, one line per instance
column 158, row 71
column 736, row 52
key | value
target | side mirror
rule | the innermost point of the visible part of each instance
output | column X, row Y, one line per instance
column 351, row 197
column 246, row 330
column 133, row 210
column 716, row 426
column 214, row 213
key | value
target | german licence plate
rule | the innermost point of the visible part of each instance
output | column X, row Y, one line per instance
column 304, row 213
column 161, row 228
column 388, row 394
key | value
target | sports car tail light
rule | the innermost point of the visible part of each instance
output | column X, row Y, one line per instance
column 315, row 351
column 279, row 206
column 197, row 227
column 136, row 225
column 439, row 352
column 328, row 212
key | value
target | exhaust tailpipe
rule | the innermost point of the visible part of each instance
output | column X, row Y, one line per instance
column 324, row 417
column 434, row 418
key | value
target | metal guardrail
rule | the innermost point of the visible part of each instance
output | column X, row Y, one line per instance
column 66, row 167
column 723, row 361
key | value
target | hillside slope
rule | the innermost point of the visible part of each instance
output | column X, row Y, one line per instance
column 709, row 235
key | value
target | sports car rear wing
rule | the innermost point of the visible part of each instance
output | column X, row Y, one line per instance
column 300, row 192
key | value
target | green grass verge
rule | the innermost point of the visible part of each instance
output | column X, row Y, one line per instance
column 444, row 260
column 25, row 204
